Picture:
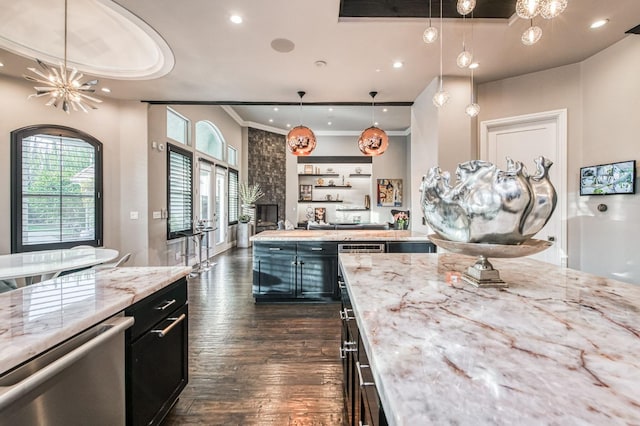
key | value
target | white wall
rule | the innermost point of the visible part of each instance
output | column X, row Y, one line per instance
column 120, row 126
column 391, row 164
column 161, row 251
column 601, row 97
column 441, row 137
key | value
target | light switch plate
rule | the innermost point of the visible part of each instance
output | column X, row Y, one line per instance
column 157, row 215
column 133, row 215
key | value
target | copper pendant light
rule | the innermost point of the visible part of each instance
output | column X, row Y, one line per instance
column 300, row 140
column 373, row 141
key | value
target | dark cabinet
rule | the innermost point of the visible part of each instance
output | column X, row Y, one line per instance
column 362, row 399
column 410, row 247
column 292, row 271
column 156, row 354
column 274, row 270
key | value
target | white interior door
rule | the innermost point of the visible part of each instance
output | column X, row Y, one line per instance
column 524, row 138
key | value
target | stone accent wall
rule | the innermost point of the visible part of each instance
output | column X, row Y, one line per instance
column 267, row 166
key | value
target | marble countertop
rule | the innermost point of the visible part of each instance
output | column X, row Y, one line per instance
column 557, row 347
column 339, row 235
column 38, row 317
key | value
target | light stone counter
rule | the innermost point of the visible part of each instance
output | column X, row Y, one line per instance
column 339, row 235
column 557, row 347
column 38, row 317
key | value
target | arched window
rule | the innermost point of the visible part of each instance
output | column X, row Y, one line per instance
column 56, row 188
column 209, row 140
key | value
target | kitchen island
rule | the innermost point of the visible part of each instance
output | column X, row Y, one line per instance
column 302, row 265
column 94, row 347
column 557, row 347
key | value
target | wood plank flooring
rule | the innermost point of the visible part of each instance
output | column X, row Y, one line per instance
column 266, row 364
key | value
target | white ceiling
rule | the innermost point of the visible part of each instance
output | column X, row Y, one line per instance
column 218, row 61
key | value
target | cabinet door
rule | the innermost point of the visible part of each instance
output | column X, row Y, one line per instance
column 410, row 247
column 157, row 370
column 317, row 276
column 274, row 271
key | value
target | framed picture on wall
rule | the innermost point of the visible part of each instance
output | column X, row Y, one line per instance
column 320, row 214
column 306, row 193
column 389, row 192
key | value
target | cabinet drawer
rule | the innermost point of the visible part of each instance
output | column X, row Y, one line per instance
column 274, row 248
column 149, row 311
column 318, row 248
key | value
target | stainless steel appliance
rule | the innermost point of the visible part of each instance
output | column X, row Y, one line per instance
column 80, row 382
column 360, row 247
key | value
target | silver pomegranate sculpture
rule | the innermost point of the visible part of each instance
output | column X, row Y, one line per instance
column 489, row 205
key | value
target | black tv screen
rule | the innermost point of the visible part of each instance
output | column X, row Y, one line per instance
column 607, row 179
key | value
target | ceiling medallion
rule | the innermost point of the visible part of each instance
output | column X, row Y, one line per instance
column 301, row 140
column 63, row 87
column 373, row 141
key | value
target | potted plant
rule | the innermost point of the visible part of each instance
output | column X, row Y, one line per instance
column 245, row 218
column 249, row 194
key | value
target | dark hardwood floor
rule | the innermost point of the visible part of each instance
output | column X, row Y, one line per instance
column 265, row 364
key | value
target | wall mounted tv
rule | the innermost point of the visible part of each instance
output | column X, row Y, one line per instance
column 608, row 179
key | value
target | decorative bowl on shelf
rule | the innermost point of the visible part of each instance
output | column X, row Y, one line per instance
column 489, row 212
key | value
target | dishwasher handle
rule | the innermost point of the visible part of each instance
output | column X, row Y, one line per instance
column 10, row 394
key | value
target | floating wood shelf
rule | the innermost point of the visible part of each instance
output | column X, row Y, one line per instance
column 318, row 175
column 352, row 210
column 359, row 175
column 319, row 201
column 332, row 186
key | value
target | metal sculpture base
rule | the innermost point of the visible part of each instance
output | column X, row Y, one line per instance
column 482, row 274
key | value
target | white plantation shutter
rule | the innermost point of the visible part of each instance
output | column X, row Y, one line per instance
column 179, row 191
column 234, row 200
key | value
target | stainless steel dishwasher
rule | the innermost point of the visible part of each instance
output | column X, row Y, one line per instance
column 80, row 382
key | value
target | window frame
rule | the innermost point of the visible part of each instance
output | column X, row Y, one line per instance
column 17, row 136
column 218, row 136
column 171, row 235
column 187, row 128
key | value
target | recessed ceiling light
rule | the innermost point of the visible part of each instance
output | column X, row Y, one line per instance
column 384, row 110
column 377, row 69
column 329, row 123
column 288, row 125
column 474, row 65
column 1, row 64
column 275, row 108
column 106, row 90
column 330, row 109
column 398, row 64
column 375, row 124
column 271, row 120
column 320, row 64
column 599, row 23
column 236, row 19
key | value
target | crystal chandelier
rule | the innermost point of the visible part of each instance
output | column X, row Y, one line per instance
column 63, row 85
column 442, row 96
column 431, row 33
column 373, row 141
column 532, row 35
column 527, row 9
column 301, row 140
column 465, row 57
column 549, row 9
column 473, row 108
column 465, row 6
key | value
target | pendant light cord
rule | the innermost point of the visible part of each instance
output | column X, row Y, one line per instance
column 65, row 34
column 430, row 13
column 441, row 37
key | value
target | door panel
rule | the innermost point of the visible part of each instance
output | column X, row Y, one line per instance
column 524, row 139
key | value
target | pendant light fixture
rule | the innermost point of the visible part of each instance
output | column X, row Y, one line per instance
column 465, row 58
column 465, row 7
column 532, row 35
column 63, row 86
column 527, row 9
column 473, row 108
column 301, row 140
column 373, row 141
column 442, row 96
column 549, row 9
column 431, row 33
